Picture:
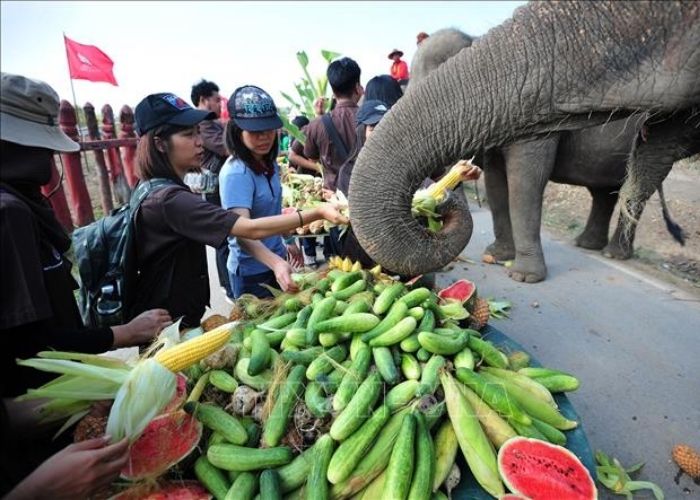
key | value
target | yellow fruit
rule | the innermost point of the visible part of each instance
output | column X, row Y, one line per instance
column 479, row 316
column 356, row 266
column 687, row 459
column 347, row 264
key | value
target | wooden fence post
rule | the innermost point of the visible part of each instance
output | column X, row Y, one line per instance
column 80, row 198
column 100, row 165
column 57, row 197
column 126, row 119
column 116, row 170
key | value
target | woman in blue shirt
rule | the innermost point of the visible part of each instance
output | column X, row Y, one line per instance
column 249, row 183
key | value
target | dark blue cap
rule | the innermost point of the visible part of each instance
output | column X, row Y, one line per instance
column 252, row 109
column 371, row 112
column 167, row 109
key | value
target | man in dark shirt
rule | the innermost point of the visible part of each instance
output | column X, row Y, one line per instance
column 205, row 96
column 330, row 138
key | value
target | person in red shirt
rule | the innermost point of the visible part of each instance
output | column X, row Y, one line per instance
column 399, row 68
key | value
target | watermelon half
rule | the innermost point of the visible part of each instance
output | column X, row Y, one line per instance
column 462, row 290
column 166, row 440
column 539, row 470
column 181, row 490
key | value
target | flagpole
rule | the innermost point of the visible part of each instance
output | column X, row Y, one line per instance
column 75, row 106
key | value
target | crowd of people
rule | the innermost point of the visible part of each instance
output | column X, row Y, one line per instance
column 242, row 219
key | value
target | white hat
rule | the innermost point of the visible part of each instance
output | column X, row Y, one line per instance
column 29, row 114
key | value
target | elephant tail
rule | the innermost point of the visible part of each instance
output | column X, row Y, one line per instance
column 673, row 228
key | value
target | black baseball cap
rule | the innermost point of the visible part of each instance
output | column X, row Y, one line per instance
column 371, row 112
column 164, row 108
column 252, row 109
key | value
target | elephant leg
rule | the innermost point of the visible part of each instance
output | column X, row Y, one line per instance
column 655, row 150
column 595, row 234
column 496, row 183
column 528, row 167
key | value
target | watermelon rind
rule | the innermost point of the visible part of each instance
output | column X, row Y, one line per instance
column 540, row 470
column 462, row 290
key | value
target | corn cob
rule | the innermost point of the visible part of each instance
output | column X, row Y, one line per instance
column 184, row 355
column 449, row 181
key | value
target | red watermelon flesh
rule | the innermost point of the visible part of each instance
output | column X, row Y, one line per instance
column 181, row 490
column 166, row 440
column 543, row 471
column 461, row 290
column 180, row 395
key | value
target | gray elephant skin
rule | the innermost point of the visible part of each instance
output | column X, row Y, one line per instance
column 593, row 157
column 553, row 67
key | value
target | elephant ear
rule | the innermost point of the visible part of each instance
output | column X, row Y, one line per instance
column 424, row 251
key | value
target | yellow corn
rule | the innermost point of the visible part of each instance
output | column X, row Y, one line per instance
column 449, row 181
column 184, row 355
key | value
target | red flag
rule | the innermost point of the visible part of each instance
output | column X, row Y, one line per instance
column 87, row 62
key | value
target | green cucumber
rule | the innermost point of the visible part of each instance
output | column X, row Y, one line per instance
column 427, row 323
column 212, row 478
column 324, row 363
column 358, row 409
column 258, row 382
column 416, row 296
column 244, row 487
column 260, row 356
column 317, row 484
column 429, row 379
column 416, row 313
column 358, row 306
column 346, row 280
column 464, row 359
column 294, row 474
column 443, row 344
column 281, row 412
column 387, row 297
column 352, row 379
column 223, row 381
column 351, row 452
column 323, row 285
column 242, row 459
column 410, row 343
column 399, row 472
column 278, row 322
column 488, row 352
column 253, row 430
column 322, row 310
column 401, row 394
column 293, row 304
column 356, row 345
column 316, row 400
column 304, row 357
column 303, row 317
column 422, row 482
column 385, row 364
column 217, row 419
column 410, row 367
column 495, row 395
column 346, row 293
column 422, row 355
column 331, row 381
column 353, row 323
column 270, row 485
column 296, row 336
column 396, row 334
column 340, row 307
column 397, row 312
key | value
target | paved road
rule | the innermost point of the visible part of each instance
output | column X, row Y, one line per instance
column 633, row 342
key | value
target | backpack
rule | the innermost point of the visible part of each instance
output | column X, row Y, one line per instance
column 105, row 254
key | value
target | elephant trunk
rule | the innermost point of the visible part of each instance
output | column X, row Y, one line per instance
column 554, row 66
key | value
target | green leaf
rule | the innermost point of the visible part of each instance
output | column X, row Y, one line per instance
column 292, row 129
column 329, row 55
column 303, row 59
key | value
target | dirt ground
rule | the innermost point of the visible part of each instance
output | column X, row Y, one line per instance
column 656, row 253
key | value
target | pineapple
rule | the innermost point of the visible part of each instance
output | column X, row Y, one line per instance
column 687, row 459
column 479, row 315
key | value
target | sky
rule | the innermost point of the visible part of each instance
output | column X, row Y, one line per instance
column 169, row 46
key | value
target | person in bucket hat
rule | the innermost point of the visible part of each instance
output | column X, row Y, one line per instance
column 399, row 68
column 250, row 185
column 38, row 311
column 174, row 225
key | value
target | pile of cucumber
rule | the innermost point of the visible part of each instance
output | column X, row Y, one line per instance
column 399, row 387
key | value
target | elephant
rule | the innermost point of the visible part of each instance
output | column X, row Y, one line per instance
column 552, row 67
column 593, row 157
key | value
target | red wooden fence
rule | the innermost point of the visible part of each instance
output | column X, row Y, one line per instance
column 115, row 176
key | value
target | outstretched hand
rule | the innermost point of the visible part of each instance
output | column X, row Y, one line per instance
column 77, row 471
column 142, row 329
column 331, row 212
column 472, row 173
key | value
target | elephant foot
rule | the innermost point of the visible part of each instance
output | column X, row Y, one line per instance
column 618, row 251
column 527, row 272
column 499, row 252
column 591, row 241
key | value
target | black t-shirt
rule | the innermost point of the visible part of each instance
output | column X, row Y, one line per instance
column 173, row 225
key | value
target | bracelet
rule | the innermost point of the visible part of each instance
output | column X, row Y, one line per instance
column 301, row 220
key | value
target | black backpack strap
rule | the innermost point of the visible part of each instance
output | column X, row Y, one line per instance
column 341, row 149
